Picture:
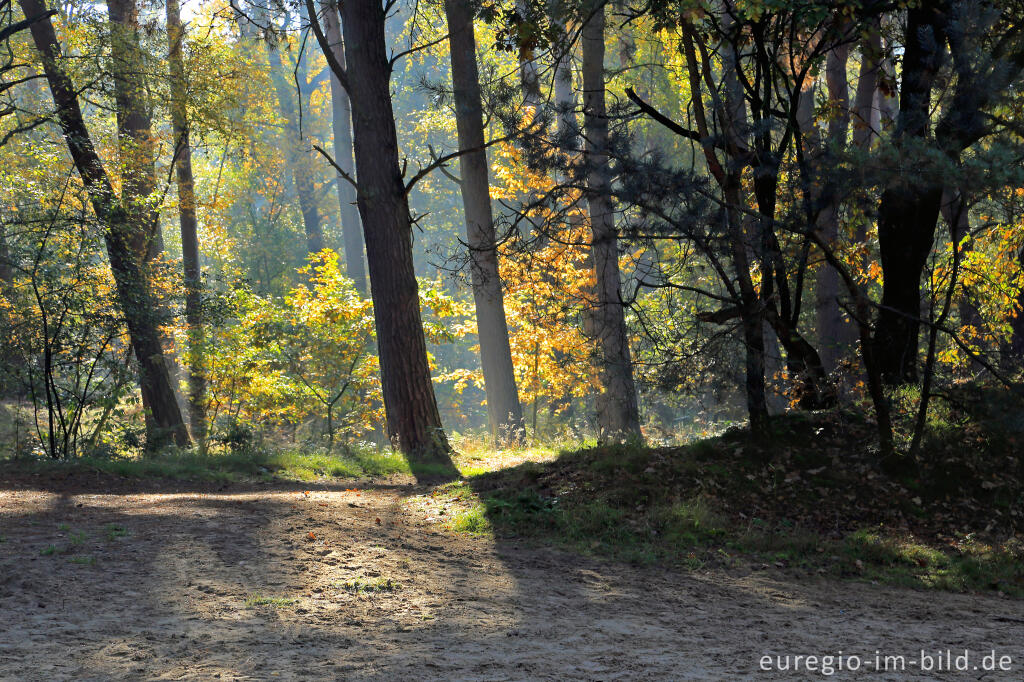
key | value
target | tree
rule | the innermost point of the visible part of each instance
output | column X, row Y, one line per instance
column 504, row 411
column 414, row 423
column 979, row 42
column 341, row 123
column 188, row 222
column 618, row 413
column 124, row 231
column 909, row 207
column 291, row 100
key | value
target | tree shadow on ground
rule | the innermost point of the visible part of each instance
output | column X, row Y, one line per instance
column 250, row 581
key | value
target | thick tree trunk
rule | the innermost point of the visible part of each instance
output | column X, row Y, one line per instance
column 189, row 225
column 503, row 408
column 300, row 156
column 121, row 236
column 136, row 143
column 341, row 122
column 137, row 156
column 414, row 423
column 618, row 413
column 909, row 207
column 136, row 152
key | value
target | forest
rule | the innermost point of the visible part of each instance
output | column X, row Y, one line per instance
column 352, row 338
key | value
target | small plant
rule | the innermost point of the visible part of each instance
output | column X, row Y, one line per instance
column 63, row 527
column 115, row 531
column 255, row 600
column 83, row 560
column 472, row 521
column 362, row 585
column 49, row 550
column 77, row 538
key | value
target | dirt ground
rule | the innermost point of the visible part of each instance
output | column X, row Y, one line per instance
column 152, row 581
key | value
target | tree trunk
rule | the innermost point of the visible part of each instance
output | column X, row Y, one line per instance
column 137, row 157
column 731, row 115
column 413, row 421
column 6, row 271
column 529, row 76
column 909, row 207
column 565, row 101
column 503, row 408
column 885, row 95
column 121, row 236
column 836, row 336
column 136, row 143
column 189, row 225
column 866, row 116
column 299, row 155
column 618, row 413
column 341, row 122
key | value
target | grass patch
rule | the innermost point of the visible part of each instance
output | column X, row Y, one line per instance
column 969, row 565
column 225, row 467
column 115, row 532
column 49, row 550
column 798, row 500
column 256, row 600
column 82, row 560
column 77, row 538
column 362, row 585
column 473, row 521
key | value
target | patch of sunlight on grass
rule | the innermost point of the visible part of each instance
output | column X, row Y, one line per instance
column 373, row 584
column 350, row 462
column 474, row 457
column 255, row 600
column 473, row 521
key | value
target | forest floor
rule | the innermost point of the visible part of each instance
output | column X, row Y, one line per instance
column 111, row 578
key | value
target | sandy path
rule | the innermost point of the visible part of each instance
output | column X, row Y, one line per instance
column 168, row 601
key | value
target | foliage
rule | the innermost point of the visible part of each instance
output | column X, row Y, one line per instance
column 307, row 355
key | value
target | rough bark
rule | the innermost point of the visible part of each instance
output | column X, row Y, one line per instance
column 341, row 122
column 134, row 292
column 188, row 224
column 413, row 421
column 618, row 412
column 503, row 408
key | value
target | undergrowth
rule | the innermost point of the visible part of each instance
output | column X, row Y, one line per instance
column 812, row 497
